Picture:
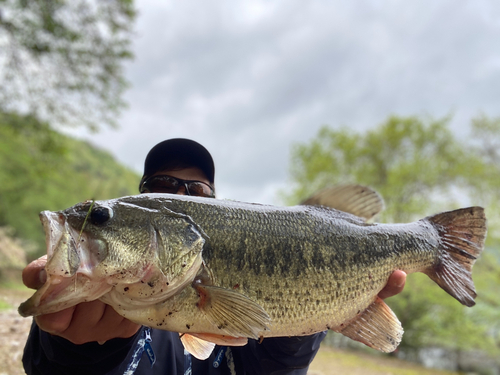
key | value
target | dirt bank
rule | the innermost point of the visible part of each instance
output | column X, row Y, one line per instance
column 13, row 331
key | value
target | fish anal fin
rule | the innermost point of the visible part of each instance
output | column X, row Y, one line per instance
column 377, row 327
column 197, row 347
column 233, row 313
column 358, row 200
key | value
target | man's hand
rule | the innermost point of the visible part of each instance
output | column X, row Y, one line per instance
column 85, row 322
column 394, row 285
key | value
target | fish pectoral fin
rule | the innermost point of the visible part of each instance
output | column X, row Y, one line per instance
column 233, row 313
column 358, row 200
column 197, row 347
column 377, row 327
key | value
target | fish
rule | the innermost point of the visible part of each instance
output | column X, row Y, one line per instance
column 223, row 271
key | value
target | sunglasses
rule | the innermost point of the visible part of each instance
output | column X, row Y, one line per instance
column 171, row 185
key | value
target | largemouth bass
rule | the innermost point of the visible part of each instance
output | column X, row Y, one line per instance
column 221, row 271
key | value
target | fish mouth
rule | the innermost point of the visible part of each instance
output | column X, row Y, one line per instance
column 59, row 293
column 68, row 278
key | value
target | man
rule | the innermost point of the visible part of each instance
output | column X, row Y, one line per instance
column 68, row 341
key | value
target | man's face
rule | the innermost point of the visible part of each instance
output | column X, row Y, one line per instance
column 190, row 174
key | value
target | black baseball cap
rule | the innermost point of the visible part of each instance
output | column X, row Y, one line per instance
column 182, row 150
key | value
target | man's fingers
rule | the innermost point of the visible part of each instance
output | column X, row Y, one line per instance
column 124, row 327
column 86, row 322
column 395, row 285
column 34, row 275
column 56, row 323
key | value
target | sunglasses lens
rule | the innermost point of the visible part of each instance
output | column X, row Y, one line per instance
column 160, row 184
column 200, row 189
column 170, row 185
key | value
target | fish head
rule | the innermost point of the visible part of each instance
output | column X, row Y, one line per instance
column 96, row 245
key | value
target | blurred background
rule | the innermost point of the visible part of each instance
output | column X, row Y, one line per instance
column 289, row 97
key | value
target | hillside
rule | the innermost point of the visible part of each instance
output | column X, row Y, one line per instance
column 41, row 169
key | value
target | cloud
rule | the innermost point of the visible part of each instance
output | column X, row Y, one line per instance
column 249, row 78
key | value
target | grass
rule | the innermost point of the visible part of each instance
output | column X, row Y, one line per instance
column 330, row 361
column 4, row 305
column 13, row 285
column 11, row 293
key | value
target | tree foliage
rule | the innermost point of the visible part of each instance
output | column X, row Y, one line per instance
column 61, row 60
column 41, row 169
column 414, row 164
column 420, row 167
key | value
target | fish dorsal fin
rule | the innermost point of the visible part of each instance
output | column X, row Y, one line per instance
column 197, row 347
column 358, row 200
column 377, row 327
column 233, row 313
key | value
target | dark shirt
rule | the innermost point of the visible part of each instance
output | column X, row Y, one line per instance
column 48, row 354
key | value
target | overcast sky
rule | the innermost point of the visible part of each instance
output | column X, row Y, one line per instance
column 247, row 79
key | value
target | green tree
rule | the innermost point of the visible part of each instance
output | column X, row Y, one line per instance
column 413, row 164
column 420, row 167
column 41, row 169
column 61, row 60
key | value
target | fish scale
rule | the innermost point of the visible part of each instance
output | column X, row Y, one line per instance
column 341, row 256
column 222, row 271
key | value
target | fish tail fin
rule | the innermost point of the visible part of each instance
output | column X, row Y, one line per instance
column 462, row 233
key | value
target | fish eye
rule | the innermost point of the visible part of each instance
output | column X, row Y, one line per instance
column 100, row 215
